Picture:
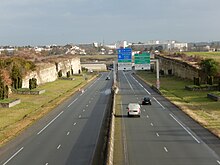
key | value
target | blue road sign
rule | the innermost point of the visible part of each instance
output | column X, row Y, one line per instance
column 125, row 55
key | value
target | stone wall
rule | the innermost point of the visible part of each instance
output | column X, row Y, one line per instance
column 48, row 71
column 177, row 67
column 95, row 66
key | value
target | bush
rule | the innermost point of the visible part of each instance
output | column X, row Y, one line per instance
column 197, row 81
column 32, row 83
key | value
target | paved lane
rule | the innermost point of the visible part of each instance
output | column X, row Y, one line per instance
column 161, row 135
column 69, row 135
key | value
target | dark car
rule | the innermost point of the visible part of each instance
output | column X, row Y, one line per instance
column 146, row 101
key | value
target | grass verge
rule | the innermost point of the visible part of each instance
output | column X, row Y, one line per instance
column 194, row 103
column 33, row 107
column 118, row 143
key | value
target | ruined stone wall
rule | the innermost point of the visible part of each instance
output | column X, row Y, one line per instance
column 95, row 67
column 177, row 68
column 69, row 64
column 48, row 71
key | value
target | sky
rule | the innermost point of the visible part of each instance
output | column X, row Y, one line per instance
column 43, row 22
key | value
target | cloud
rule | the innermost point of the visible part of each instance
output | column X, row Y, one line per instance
column 80, row 20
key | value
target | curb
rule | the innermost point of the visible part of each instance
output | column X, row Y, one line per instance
column 110, row 151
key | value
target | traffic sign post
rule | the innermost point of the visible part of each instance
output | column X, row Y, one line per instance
column 158, row 75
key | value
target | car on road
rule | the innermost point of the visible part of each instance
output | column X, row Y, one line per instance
column 134, row 109
column 107, row 78
column 146, row 100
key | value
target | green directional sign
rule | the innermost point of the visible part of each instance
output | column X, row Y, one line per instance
column 142, row 61
column 143, row 58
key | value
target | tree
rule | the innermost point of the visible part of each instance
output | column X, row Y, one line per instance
column 209, row 67
column 5, row 81
column 16, row 77
column 32, row 83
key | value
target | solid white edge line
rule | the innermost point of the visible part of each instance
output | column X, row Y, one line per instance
column 141, row 85
column 128, row 82
column 158, row 102
column 147, row 91
column 218, row 161
column 14, row 155
column 49, row 123
column 185, row 129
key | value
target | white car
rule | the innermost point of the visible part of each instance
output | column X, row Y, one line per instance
column 134, row 109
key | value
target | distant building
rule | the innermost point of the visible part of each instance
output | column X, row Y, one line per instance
column 161, row 45
column 122, row 44
column 112, row 46
column 8, row 49
column 96, row 44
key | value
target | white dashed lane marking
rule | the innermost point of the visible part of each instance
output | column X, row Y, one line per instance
column 165, row 149
column 58, row 147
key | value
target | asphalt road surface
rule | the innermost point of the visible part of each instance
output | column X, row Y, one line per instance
column 66, row 136
column 163, row 135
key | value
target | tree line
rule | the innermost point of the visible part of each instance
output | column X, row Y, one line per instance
column 11, row 72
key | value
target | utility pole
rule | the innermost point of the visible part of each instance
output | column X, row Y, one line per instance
column 157, row 71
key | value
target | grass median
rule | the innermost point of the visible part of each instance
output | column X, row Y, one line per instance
column 32, row 107
column 194, row 103
column 118, row 143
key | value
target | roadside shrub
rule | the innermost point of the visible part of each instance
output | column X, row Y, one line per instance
column 32, row 83
column 197, row 81
column 84, row 69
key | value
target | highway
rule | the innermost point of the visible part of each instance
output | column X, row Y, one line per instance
column 66, row 136
column 163, row 135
